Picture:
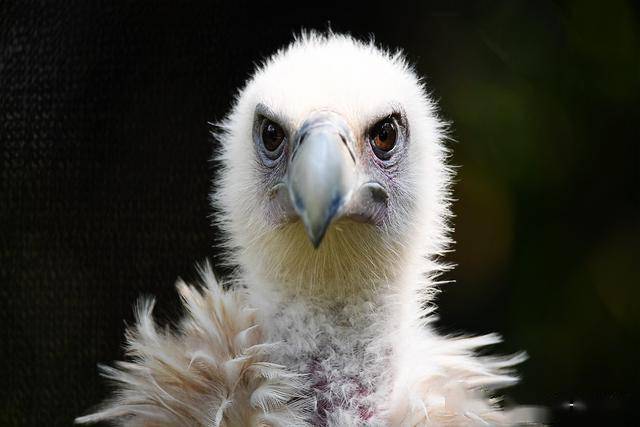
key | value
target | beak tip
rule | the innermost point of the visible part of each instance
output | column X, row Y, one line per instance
column 316, row 236
column 316, row 225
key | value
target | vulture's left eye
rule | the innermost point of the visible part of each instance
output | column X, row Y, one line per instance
column 272, row 135
column 383, row 136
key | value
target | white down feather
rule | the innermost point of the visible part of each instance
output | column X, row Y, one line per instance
column 337, row 336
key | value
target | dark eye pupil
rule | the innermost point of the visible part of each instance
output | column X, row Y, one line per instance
column 272, row 133
column 385, row 129
column 272, row 136
column 384, row 136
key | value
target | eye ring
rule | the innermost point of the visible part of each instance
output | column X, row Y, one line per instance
column 383, row 137
column 272, row 135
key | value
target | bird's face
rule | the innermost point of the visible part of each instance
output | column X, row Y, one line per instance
column 335, row 139
column 322, row 166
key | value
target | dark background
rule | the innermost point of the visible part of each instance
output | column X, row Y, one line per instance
column 104, row 150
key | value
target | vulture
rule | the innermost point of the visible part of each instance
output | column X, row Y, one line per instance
column 334, row 201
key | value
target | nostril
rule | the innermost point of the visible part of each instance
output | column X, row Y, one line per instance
column 378, row 194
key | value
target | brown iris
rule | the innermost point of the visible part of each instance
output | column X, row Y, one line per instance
column 384, row 135
column 272, row 135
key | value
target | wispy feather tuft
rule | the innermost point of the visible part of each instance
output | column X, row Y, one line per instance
column 212, row 371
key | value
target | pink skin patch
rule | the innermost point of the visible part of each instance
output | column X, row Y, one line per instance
column 320, row 387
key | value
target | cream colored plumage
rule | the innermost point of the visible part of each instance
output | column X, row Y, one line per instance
column 214, row 370
column 339, row 334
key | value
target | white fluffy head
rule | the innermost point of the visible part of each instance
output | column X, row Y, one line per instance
column 359, row 82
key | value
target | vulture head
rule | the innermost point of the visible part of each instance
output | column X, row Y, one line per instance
column 333, row 169
column 333, row 195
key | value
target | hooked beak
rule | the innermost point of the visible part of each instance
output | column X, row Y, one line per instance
column 322, row 172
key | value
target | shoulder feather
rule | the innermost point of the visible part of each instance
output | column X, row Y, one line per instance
column 213, row 371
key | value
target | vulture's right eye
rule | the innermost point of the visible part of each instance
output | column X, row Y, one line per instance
column 272, row 135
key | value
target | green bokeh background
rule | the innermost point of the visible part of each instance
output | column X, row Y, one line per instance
column 544, row 103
